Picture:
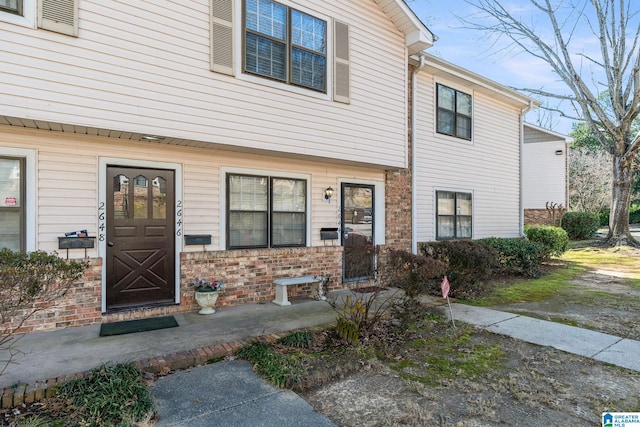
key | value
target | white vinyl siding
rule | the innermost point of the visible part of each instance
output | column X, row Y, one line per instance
column 68, row 183
column 544, row 174
column 488, row 168
column 144, row 67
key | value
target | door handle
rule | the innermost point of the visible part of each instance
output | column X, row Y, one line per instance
column 109, row 244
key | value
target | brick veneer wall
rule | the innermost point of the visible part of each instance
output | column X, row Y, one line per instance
column 248, row 275
column 552, row 217
column 398, row 194
column 80, row 306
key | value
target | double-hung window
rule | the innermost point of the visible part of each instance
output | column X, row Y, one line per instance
column 11, row 6
column 285, row 44
column 454, row 215
column 453, row 113
column 265, row 211
column 12, row 188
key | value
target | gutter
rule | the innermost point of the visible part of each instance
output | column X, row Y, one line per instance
column 523, row 111
column 414, row 126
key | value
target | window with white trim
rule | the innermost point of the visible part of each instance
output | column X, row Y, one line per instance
column 12, row 201
column 454, row 215
column 285, row 44
column 11, row 6
column 264, row 211
column 453, row 116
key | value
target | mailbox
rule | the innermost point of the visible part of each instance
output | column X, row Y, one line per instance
column 328, row 233
column 197, row 239
column 76, row 242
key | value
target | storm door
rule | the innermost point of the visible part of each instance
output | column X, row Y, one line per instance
column 358, row 219
column 140, row 252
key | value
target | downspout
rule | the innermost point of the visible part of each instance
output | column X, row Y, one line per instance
column 414, row 132
column 523, row 111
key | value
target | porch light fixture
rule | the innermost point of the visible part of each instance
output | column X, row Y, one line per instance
column 328, row 193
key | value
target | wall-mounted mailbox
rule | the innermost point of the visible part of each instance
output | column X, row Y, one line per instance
column 197, row 239
column 76, row 242
column 328, row 233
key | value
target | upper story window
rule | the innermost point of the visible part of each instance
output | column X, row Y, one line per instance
column 453, row 112
column 454, row 215
column 285, row 44
column 265, row 212
column 11, row 6
column 12, row 201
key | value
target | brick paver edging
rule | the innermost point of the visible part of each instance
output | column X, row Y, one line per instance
column 30, row 393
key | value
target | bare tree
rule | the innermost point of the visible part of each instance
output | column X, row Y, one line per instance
column 589, row 179
column 615, row 70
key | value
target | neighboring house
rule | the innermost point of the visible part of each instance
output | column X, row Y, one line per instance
column 467, row 153
column 545, row 177
column 203, row 139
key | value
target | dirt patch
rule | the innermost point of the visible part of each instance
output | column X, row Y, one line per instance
column 521, row 385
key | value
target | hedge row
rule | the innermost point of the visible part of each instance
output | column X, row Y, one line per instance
column 634, row 215
column 472, row 264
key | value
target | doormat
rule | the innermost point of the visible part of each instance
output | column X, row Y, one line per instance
column 141, row 325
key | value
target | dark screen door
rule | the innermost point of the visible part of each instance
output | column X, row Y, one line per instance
column 358, row 219
column 140, row 264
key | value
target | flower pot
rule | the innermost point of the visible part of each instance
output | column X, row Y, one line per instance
column 206, row 301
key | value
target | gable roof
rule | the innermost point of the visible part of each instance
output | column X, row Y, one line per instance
column 545, row 134
column 417, row 36
column 439, row 66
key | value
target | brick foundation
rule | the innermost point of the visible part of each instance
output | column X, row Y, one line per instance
column 248, row 276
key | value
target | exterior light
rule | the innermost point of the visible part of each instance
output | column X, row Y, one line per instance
column 328, row 194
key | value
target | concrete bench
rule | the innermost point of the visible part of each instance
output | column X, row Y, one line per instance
column 281, row 287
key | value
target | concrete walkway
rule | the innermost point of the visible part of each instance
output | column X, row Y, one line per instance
column 595, row 345
column 229, row 390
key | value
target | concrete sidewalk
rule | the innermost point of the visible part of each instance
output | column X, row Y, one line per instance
column 231, row 388
column 228, row 394
column 56, row 354
column 595, row 345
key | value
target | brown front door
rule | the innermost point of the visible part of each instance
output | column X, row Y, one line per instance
column 140, row 264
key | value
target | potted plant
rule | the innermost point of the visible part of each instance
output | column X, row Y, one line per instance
column 207, row 294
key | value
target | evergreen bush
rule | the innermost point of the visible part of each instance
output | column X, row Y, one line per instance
column 553, row 239
column 580, row 225
column 516, row 256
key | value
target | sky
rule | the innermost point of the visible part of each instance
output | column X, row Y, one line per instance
column 471, row 50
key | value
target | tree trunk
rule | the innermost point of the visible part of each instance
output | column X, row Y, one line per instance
column 621, row 198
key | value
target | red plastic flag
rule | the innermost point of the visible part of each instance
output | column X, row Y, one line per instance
column 445, row 287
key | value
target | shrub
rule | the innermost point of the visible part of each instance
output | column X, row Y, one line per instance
column 30, row 282
column 553, row 239
column 580, row 225
column 634, row 215
column 603, row 216
column 467, row 262
column 516, row 256
column 411, row 272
